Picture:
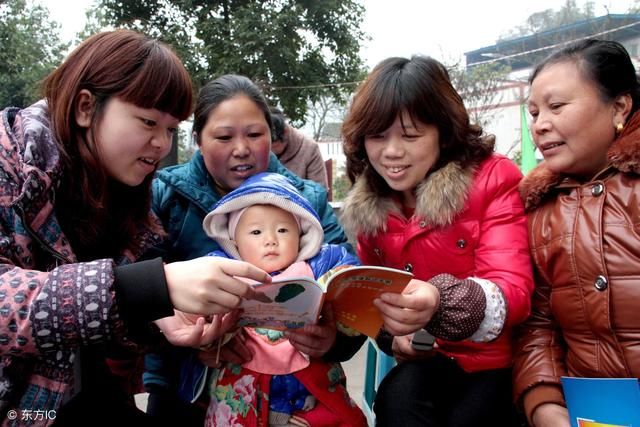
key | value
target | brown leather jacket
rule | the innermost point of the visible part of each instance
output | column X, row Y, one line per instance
column 585, row 244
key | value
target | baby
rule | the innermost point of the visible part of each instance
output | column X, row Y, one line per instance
column 268, row 223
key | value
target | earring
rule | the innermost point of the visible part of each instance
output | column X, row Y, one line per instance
column 619, row 128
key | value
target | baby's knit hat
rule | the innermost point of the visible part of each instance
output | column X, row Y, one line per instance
column 265, row 189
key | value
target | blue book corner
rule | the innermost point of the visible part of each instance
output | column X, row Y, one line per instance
column 602, row 402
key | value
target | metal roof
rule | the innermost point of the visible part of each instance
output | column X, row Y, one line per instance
column 523, row 52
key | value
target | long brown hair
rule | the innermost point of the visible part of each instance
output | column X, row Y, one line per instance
column 421, row 88
column 98, row 215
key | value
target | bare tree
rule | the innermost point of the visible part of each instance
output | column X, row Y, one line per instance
column 479, row 86
column 326, row 109
column 547, row 19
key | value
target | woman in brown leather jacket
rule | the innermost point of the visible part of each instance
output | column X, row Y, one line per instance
column 583, row 204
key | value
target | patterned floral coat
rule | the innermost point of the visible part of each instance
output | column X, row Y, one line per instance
column 51, row 305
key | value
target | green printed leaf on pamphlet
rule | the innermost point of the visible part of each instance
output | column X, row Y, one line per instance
column 289, row 291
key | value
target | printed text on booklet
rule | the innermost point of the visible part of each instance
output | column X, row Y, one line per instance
column 294, row 302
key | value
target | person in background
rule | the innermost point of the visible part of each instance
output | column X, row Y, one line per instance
column 582, row 204
column 430, row 196
column 297, row 152
column 266, row 222
column 232, row 127
column 75, row 218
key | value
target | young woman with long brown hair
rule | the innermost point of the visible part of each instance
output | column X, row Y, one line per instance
column 75, row 176
column 431, row 197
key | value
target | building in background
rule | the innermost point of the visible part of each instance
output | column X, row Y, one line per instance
column 522, row 53
column 330, row 142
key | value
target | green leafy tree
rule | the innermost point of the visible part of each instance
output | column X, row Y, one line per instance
column 186, row 147
column 516, row 156
column 31, row 48
column 95, row 22
column 297, row 50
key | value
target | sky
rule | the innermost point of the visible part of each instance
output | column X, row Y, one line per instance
column 443, row 29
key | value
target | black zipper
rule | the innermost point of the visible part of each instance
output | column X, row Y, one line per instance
column 47, row 248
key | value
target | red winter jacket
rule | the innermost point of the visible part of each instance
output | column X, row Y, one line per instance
column 469, row 223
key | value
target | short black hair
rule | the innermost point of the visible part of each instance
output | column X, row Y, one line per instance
column 278, row 125
column 606, row 63
column 221, row 89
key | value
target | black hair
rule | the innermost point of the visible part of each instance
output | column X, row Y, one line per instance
column 606, row 63
column 222, row 89
column 278, row 121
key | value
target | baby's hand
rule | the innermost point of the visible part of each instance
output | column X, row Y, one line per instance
column 315, row 340
column 190, row 330
column 234, row 351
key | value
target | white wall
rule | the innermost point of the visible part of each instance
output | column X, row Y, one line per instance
column 333, row 150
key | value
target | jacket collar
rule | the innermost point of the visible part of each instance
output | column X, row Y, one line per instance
column 193, row 182
column 37, row 162
column 294, row 143
column 623, row 156
column 439, row 198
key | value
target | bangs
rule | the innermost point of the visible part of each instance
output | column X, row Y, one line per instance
column 414, row 99
column 377, row 113
column 393, row 96
column 161, row 82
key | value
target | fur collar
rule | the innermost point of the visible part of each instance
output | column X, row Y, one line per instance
column 623, row 156
column 440, row 197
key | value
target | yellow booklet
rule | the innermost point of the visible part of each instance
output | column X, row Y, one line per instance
column 295, row 302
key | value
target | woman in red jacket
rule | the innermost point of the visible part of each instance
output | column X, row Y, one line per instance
column 431, row 197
